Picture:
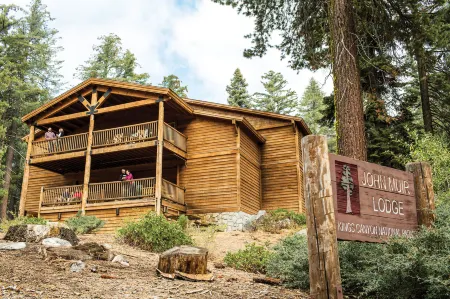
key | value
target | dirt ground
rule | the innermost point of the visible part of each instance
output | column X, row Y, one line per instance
column 25, row 274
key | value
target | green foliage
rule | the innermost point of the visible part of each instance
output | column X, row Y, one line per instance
column 413, row 268
column 154, row 233
column 276, row 220
column 174, row 83
column 6, row 223
column 436, row 151
column 237, row 91
column 111, row 62
column 290, row 262
column 276, row 97
column 183, row 221
column 253, row 258
column 82, row 224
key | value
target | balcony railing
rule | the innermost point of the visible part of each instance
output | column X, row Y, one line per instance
column 172, row 192
column 60, row 145
column 124, row 190
column 128, row 134
column 61, row 196
column 175, row 137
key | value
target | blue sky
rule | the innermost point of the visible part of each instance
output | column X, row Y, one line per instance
column 198, row 40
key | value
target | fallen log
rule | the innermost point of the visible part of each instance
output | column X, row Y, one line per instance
column 267, row 280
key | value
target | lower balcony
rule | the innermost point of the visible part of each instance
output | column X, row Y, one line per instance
column 138, row 192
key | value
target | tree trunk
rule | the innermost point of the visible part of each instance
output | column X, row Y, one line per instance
column 351, row 139
column 423, row 84
column 12, row 132
column 186, row 259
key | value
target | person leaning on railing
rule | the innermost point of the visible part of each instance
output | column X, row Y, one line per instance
column 50, row 136
column 59, row 136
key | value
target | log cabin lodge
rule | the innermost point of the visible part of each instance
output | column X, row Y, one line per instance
column 186, row 156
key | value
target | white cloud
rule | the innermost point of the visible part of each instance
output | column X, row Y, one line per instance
column 203, row 45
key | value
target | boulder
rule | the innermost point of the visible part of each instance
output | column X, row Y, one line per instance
column 95, row 250
column 56, row 242
column 12, row 245
column 37, row 232
column 66, row 253
column 78, row 266
column 121, row 260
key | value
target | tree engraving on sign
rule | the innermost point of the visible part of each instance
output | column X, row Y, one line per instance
column 347, row 185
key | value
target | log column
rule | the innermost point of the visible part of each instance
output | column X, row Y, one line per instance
column 87, row 167
column 324, row 270
column 423, row 187
column 159, row 157
column 26, row 172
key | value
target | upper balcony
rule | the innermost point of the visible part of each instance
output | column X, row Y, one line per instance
column 113, row 137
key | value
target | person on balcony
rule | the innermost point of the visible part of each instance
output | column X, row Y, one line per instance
column 123, row 175
column 129, row 179
column 50, row 136
column 65, row 195
column 59, row 136
column 77, row 196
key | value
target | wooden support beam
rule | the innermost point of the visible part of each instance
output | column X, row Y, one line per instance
column 175, row 149
column 104, row 97
column 324, row 269
column 41, row 197
column 159, row 157
column 238, row 165
column 423, row 187
column 87, row 167
column 136, row 104
column 83, row 101
column 55, row 157
column 123, row 147
column 26, row 172
column 298, row 155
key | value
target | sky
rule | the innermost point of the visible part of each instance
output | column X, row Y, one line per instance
column 199, row 41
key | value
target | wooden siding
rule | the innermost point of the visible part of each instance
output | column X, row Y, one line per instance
column 250, row 168
column 279, row 169
column 210, row 172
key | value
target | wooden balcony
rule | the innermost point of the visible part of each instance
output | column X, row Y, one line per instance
column 137, row 192
column 119, row 136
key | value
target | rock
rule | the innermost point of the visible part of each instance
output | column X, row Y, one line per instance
column 96, row 251
column 107, row 246
column 118, row 259
column 66, row 234
column 77, row 266
column 125, row 264
column 56, row 242
column 66, row 253
column 12, row 245
column 219, row 265
column 27, row 233
column 301, row 232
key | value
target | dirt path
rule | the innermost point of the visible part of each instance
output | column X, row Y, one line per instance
column 24, row 274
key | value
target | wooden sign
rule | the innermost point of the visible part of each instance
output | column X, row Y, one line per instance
column 371, row 202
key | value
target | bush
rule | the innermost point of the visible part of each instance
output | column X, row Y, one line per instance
column 154, row 233
column 417, row 267
column 252, row 258
column 82, row 224
column 276, row 220
column 183, row 221
column 6, row 223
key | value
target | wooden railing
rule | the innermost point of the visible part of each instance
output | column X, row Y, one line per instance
column 59, row 196
column 122, row 190
column 127, row 134
column 175, row 137
column 172, row 192
column 59, row 145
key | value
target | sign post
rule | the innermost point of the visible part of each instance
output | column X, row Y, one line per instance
column 324, row 270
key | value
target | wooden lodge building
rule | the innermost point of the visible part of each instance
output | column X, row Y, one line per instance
column 186, row 156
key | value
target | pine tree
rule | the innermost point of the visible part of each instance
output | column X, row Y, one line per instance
column 109, row 61
column 311, row 110
column 174, row 83
column 28, row 76
column 237, row 91
column 277, row 98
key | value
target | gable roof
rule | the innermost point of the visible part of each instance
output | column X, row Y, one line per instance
column 298, row 120
column 109, row 83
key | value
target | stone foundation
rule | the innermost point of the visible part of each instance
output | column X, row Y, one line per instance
column 234, row 221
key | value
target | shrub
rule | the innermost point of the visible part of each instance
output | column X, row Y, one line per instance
column 82, row 224
column 276, row 220
column 6, row 223
column 183, row 221
column 417, row 267
column 252, row 258
column 154, row 233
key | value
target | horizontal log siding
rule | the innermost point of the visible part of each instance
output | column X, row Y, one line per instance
column 210, row 172
column 250, row 175
column 279, row 169
column 40, row 177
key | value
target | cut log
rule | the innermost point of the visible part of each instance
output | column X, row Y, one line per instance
column 186, row 259
column 267, row 280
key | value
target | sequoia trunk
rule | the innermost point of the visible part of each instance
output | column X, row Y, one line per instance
column 351, row 139
column 423, row 84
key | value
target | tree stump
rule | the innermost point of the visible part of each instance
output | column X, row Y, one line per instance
column 186, row 259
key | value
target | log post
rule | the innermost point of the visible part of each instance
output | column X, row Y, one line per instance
column 324, row 270
column 26, row 172
column 159, row 157
column 41, row 198
column 423, row 187
column 87, row 167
